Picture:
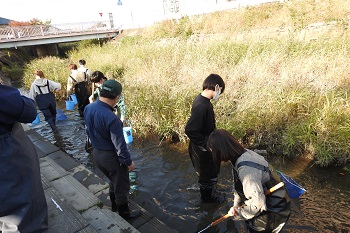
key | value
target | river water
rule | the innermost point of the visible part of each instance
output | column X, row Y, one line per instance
column 167, row 184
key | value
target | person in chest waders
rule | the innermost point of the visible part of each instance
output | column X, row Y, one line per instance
column 79, row 83
column 41, row 91
column 252, row 177
column 23, row 206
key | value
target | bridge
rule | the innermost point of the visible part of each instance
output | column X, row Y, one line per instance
column 51, row 35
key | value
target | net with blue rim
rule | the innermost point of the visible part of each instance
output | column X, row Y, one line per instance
column 294, row 190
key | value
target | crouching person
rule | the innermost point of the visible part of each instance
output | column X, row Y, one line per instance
column 253, row 176
column 110, row 151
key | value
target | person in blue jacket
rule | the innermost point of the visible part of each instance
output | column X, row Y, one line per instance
column 23, row 206
column 110, row 152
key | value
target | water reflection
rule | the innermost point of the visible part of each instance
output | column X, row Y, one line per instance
column 166, row 184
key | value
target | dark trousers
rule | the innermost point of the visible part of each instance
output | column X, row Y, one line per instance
column 268, row 221
column 108, row 163
column 47, row 105
column 203, row 163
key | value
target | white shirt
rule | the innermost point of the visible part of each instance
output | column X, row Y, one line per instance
column 82, row 68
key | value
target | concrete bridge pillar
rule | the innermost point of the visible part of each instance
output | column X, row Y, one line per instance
column 47, row 50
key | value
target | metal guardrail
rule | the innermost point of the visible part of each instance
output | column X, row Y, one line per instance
column 19, row 32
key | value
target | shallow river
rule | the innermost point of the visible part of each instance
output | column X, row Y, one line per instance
column 167, row 184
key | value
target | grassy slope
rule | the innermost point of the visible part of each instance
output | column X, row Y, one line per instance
column 285, row 66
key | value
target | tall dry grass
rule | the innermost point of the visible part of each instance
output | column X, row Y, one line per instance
column 285, row 66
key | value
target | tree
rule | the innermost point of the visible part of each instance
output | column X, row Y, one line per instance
column 33, row 21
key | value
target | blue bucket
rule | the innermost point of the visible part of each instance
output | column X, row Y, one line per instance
column 74, row 98
column 294, row 190
column 127, row 134
column 37, row 120
column 69, row 105
column 127, row 131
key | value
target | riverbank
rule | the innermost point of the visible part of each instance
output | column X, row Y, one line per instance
column 78, row 199
column 284, row 64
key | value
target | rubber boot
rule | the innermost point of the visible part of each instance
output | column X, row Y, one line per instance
column 114, row 204
column 125, row 212
column 209, row 196
column 52, row 125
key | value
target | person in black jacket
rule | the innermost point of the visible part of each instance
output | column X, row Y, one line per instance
column 23, row 206
column 199, row 126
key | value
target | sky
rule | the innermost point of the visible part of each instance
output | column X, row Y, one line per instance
column 73, row 11
column 132, row 13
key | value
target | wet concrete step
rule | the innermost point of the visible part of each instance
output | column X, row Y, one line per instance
column 105, row 220
column 63, row 217
column 76, row 194
column 74, row 208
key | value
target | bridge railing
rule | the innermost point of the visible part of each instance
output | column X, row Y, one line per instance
column 11, row 33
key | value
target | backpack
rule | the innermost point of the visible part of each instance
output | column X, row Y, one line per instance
column 83, row 86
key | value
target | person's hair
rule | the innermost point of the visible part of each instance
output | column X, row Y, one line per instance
column 107, row 94
column 224, row 146
column 73, row 67
column 39, row 73
column 211, row 81
column 97, row 76
column 82, row 62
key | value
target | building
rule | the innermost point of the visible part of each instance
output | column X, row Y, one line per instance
column 4, row 21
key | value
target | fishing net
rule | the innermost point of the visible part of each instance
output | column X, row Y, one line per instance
column 294, row 190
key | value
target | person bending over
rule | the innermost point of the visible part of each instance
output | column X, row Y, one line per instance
column 252, row 176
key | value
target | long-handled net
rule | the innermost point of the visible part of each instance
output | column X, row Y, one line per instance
column 294, row 190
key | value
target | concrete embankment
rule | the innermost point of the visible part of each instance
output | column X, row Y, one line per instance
column 78, row 199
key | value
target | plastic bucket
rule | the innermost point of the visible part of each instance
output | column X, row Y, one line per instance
column 127, row 131
column 74, row 98
column 69, row 105
column 37, row 120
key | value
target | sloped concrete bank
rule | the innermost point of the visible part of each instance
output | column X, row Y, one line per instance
column 78, row 199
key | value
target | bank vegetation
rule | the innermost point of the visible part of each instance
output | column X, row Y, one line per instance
column 286, row 68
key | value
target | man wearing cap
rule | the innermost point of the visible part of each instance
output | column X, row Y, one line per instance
column 23, row 206
column 110, row 152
